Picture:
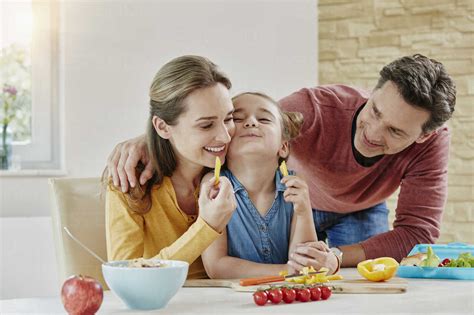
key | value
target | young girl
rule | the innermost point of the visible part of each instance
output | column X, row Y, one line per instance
column 273, row 212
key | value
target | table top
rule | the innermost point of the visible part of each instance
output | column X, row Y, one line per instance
column 431, row 296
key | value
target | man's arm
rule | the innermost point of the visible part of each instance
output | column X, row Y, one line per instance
column 420, row 205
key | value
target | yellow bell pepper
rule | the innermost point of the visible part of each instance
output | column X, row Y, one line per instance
column 308, row 278
column 217, row 171
column 379, row 269
column 283, row 273
column 283, row 168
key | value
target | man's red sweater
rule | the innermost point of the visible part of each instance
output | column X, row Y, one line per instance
column 338, row 183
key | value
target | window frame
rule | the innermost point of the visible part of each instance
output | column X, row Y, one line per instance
column 43, row 152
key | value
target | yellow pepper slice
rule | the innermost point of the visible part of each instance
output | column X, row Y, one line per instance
column 283, row 273
column 334, row 277
column 217, row 171
column 307, row 278
column 283, row 168
column 380, row 269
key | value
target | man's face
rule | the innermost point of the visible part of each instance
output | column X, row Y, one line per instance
column 387, row 124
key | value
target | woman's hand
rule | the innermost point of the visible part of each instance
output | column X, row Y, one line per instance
column 316, row 254
column 216, row 203
column 297, row 193
column 124, row 159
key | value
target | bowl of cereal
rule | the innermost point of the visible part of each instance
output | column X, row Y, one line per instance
column 145, row 284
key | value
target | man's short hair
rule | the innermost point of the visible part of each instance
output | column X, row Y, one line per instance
column 423, row 83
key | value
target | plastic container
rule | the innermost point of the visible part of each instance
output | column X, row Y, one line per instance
column 450, row 251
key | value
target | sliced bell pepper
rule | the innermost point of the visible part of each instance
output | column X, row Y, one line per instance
column 308, row 278
column 283, row 169
column 217, row 171
column 380, row 269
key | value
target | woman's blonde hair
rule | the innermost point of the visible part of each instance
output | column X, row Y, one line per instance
column 171, row 85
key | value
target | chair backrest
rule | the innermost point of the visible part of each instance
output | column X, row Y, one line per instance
column 78, row 205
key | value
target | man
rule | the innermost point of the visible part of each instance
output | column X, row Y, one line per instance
column 355, row 150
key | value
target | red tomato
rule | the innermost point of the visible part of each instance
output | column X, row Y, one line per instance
column 315, row 293
column 260, row 298
column 289, row 295
column 275, row 296
column 325, row 292
column 445, row 261
column 297, row 297
column 304, row 295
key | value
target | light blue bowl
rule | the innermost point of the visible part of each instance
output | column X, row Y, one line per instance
column 145, row 288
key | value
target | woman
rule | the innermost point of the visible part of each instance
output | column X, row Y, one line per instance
column 190, row 124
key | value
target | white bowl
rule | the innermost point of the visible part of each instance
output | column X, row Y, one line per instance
column 145, row 288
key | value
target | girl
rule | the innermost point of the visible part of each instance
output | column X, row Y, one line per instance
column 273, row 212
column 190, row 124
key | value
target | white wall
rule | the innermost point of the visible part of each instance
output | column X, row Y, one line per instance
column 110, row 51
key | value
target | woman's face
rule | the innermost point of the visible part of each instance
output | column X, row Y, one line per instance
column 204, row 129
column 257, row 128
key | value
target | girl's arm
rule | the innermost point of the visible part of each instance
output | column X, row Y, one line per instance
column 302, row 230
column 302, row 224
column 219, row 265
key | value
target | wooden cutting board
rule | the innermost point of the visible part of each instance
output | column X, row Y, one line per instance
column 349, row 286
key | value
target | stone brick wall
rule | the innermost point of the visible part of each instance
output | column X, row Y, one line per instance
column 357, row 38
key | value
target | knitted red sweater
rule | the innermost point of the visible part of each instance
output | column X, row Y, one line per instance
column 323, row 155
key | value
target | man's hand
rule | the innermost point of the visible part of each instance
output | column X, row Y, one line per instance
column 315, row 254
column 124, row 159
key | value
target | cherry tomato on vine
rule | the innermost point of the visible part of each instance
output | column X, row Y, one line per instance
column 289, row 295
column 297, row 290
column 325, row 292
column 260, row 298
column 275, row 296
column 315, row 293
column 304, row 295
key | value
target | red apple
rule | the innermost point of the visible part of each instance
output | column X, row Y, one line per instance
column 81, row 295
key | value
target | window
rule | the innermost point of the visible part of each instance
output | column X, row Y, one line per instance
column 29, row 82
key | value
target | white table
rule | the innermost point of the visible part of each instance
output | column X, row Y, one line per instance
column 425, row 296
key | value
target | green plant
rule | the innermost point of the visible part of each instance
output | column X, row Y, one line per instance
column 15, row 97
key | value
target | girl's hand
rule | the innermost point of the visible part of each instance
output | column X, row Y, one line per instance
column 297, row 193
column 315, row 254
column 216, row 203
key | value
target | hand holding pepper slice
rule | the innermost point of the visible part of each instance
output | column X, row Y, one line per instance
column 379, row 269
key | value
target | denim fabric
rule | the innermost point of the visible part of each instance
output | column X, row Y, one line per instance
column 253, row 237
column 350, row 228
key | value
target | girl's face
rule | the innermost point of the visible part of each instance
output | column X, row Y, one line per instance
column 258, row 128
column 204, row 129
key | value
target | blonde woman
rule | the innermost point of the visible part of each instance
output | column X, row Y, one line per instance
column 190, row 124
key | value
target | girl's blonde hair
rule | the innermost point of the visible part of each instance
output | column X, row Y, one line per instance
column 171, row 85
